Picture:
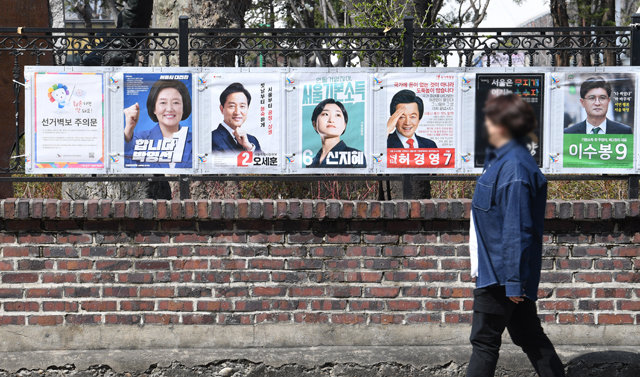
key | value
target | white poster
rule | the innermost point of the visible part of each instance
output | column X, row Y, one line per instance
column 246, row 121
column 69, row 121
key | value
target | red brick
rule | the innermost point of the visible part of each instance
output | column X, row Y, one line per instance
column 12, row 320
column 74, row 264
column 21, row 306
column 19, row 277
column 348, row 318
column 176, row 306
column 268, row 291
column 44, row 292
column 578, row 318
column 593, row 277
column 400, row 305
column 138, row 305
column 573, row 292
column 46, row 320
column 615, row 319
column 629, row 305
column 328, row 304
column 161, row 319
column 213, row 306
column 99, row 306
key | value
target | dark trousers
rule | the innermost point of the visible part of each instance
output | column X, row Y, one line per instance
column 492, row 313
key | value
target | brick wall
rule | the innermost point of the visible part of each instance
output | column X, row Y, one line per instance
column 298, row 262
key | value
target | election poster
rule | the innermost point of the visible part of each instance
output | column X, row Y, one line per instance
column 157, row 120
column 598, row 120
column 246, row 121
column 333, row 120
column 69, row 121
column 529, row 86
column 420, row 120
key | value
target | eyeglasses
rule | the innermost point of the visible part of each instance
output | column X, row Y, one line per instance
column 602, row 98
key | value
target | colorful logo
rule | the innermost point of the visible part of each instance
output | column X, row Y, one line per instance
column 58, row 93
column 114, row 159
column 377, row 81
column 466, row 81
column 290, row 159
column 466, row 157
column 290, row 81
column 554, row 158
column 555, row 80
column 113, row 80
column 201, row 81
column 377, row 159
column 202, row 158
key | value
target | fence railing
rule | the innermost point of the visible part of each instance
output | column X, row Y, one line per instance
column 345, row 47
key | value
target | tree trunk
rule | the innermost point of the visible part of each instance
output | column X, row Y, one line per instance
column 560, row 18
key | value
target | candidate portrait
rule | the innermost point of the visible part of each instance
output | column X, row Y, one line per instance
column 406, row 110
column 230, row 136
column 595, row 98
column 168, row 143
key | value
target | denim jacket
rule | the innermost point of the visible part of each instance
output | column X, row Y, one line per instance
column 508, row 213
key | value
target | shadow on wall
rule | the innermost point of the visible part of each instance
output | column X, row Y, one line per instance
column 605, row 364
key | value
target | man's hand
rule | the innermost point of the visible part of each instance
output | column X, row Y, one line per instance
column 393, row 120
column 516, row 300
column 242, row 139
column 131, row 116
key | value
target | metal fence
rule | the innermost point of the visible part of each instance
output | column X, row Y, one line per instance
column 345, row 47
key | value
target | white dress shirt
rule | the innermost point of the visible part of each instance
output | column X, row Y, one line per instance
column 404, row 139
column 603, row 127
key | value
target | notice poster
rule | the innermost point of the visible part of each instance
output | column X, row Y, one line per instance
column 157, row 120
column 420, row 127
column 69, row 121
column 529, row 86
column 246, row 120
column 598, row 120
column 332, row 120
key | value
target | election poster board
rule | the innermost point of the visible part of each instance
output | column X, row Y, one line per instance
column 243, row 122
column 332, row 123
column 67, row 133
column 156, row 122
column 597, row 119
column 417, row 122
column 529, row 86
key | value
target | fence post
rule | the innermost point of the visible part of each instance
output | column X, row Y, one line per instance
column 633, row 190
column 183, row 41
column 407, row 43
column 408, row 189
column 183, row 56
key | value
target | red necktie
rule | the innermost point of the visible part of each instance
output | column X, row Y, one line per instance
column 410, row 142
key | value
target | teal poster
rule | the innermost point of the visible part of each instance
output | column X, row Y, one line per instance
column 332, row 120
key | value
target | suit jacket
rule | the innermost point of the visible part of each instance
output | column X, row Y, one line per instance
column 393, row 141
column 222, row 141
column 156, row 134
column 340, row 147
column 613, row 127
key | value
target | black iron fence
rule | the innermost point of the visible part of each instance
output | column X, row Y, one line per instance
column 345, row 47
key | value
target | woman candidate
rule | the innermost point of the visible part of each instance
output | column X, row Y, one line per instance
column 168, row 144
column 329, row 119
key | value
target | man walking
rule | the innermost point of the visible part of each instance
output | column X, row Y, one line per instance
column 507, row 218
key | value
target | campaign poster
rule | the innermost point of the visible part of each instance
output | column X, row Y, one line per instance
column 246, row 121
column 332, row 120
column 529, row 86
column 598, row 120
column 420, row 126
column 69, row 121
column 157, row 120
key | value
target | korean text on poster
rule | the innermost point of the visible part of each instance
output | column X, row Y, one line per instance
column 333, row 119
column 421, row 123
column 157, row 120
column 246, row 127
column 598, row 120
column 530, row 87
column 69, row 121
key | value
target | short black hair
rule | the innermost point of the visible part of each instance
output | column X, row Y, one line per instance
column 155, row 90
column 236, row 87
column 513, row 113
column 320, row 106
column 593, row 83
column 406, row 96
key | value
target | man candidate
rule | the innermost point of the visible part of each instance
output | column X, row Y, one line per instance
column 406, row 110
column 595, row 96
column 505, row 243
column 229, row 137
